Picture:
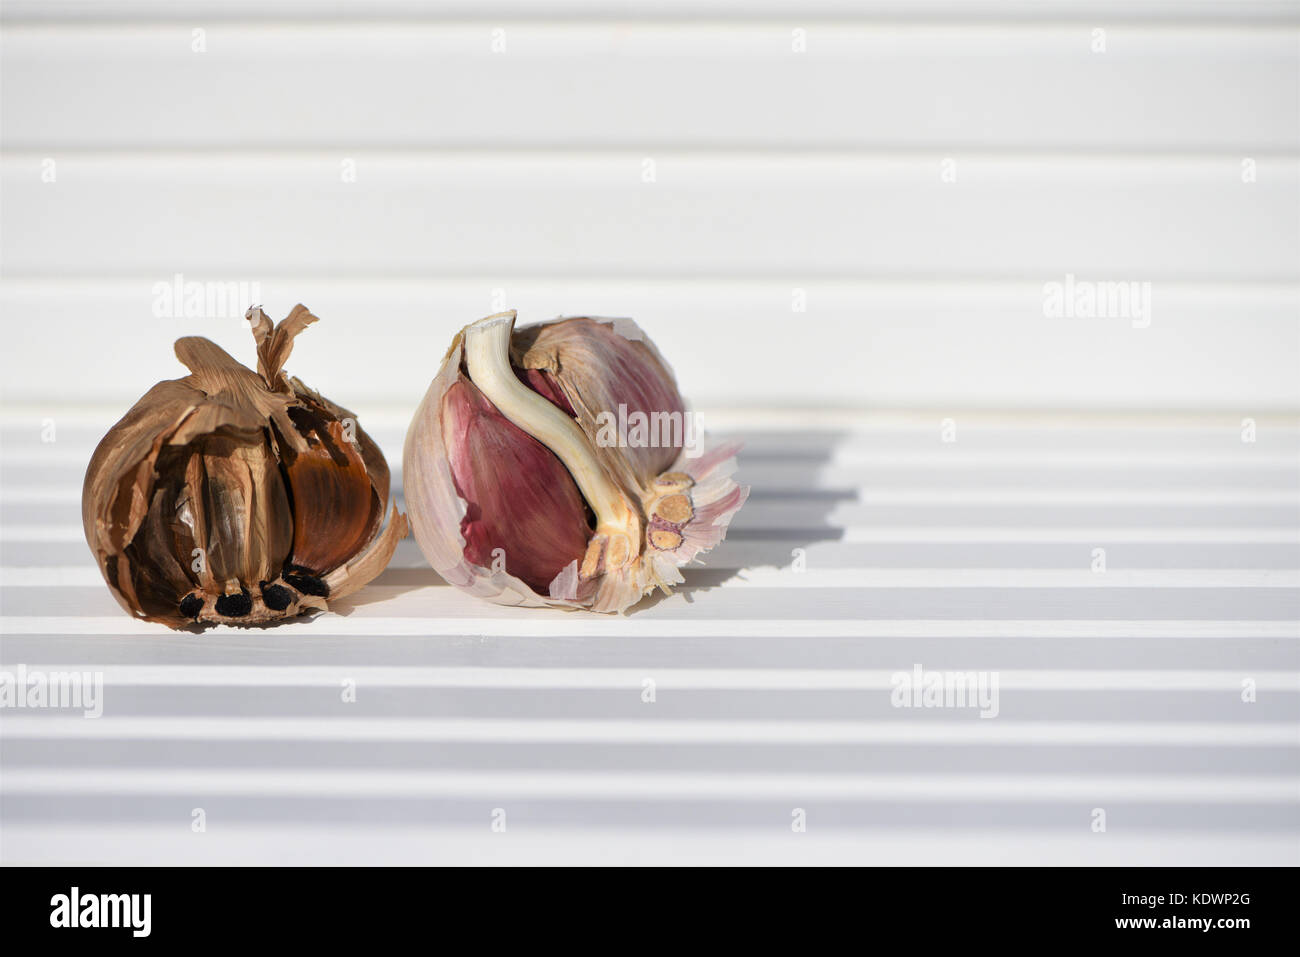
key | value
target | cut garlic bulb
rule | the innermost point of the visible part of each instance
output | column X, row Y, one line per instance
column 557, row 464
column 238, row 497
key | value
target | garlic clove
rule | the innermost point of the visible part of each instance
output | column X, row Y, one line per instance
column 241, row 509
column 331, row 489
column 523, row 510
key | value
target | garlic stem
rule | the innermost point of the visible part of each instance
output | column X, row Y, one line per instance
column 487, row 355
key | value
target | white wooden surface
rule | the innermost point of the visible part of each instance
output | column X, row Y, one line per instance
column 1119, row 690
column 912, row 180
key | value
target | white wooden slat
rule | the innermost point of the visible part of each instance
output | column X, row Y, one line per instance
column 425, row 845
column 787, row 610
column 1170, row 649
column 361, row 756
column 677, row 786
column 938, row 85
column 670, row 679
column 1161, row 11
column 1222, row 705
column 501, row 218
column 945, row 346
column 976, row 731
column 111, row 625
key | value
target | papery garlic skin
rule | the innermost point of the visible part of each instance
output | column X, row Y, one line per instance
column 237, row 497
column 607, row 364
column 648, row 508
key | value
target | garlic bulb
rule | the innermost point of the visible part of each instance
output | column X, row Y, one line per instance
column 237, row 497
column 557, row 465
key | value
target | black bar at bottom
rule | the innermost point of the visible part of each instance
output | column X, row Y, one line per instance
column 934, row 907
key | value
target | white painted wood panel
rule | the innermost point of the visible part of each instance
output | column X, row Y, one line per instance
column 486, row 180
column 1159, row 11
column 1122, row 686
column 942, row 346
column 502, row 216
column 951, row 86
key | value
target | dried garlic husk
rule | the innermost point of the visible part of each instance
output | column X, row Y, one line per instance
column 554, row 465
column 237, row 497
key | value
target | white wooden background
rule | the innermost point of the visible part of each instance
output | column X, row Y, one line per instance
column 515, row 179
column 486, row 180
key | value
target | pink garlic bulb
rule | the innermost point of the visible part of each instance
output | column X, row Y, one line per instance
column 557, row 464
